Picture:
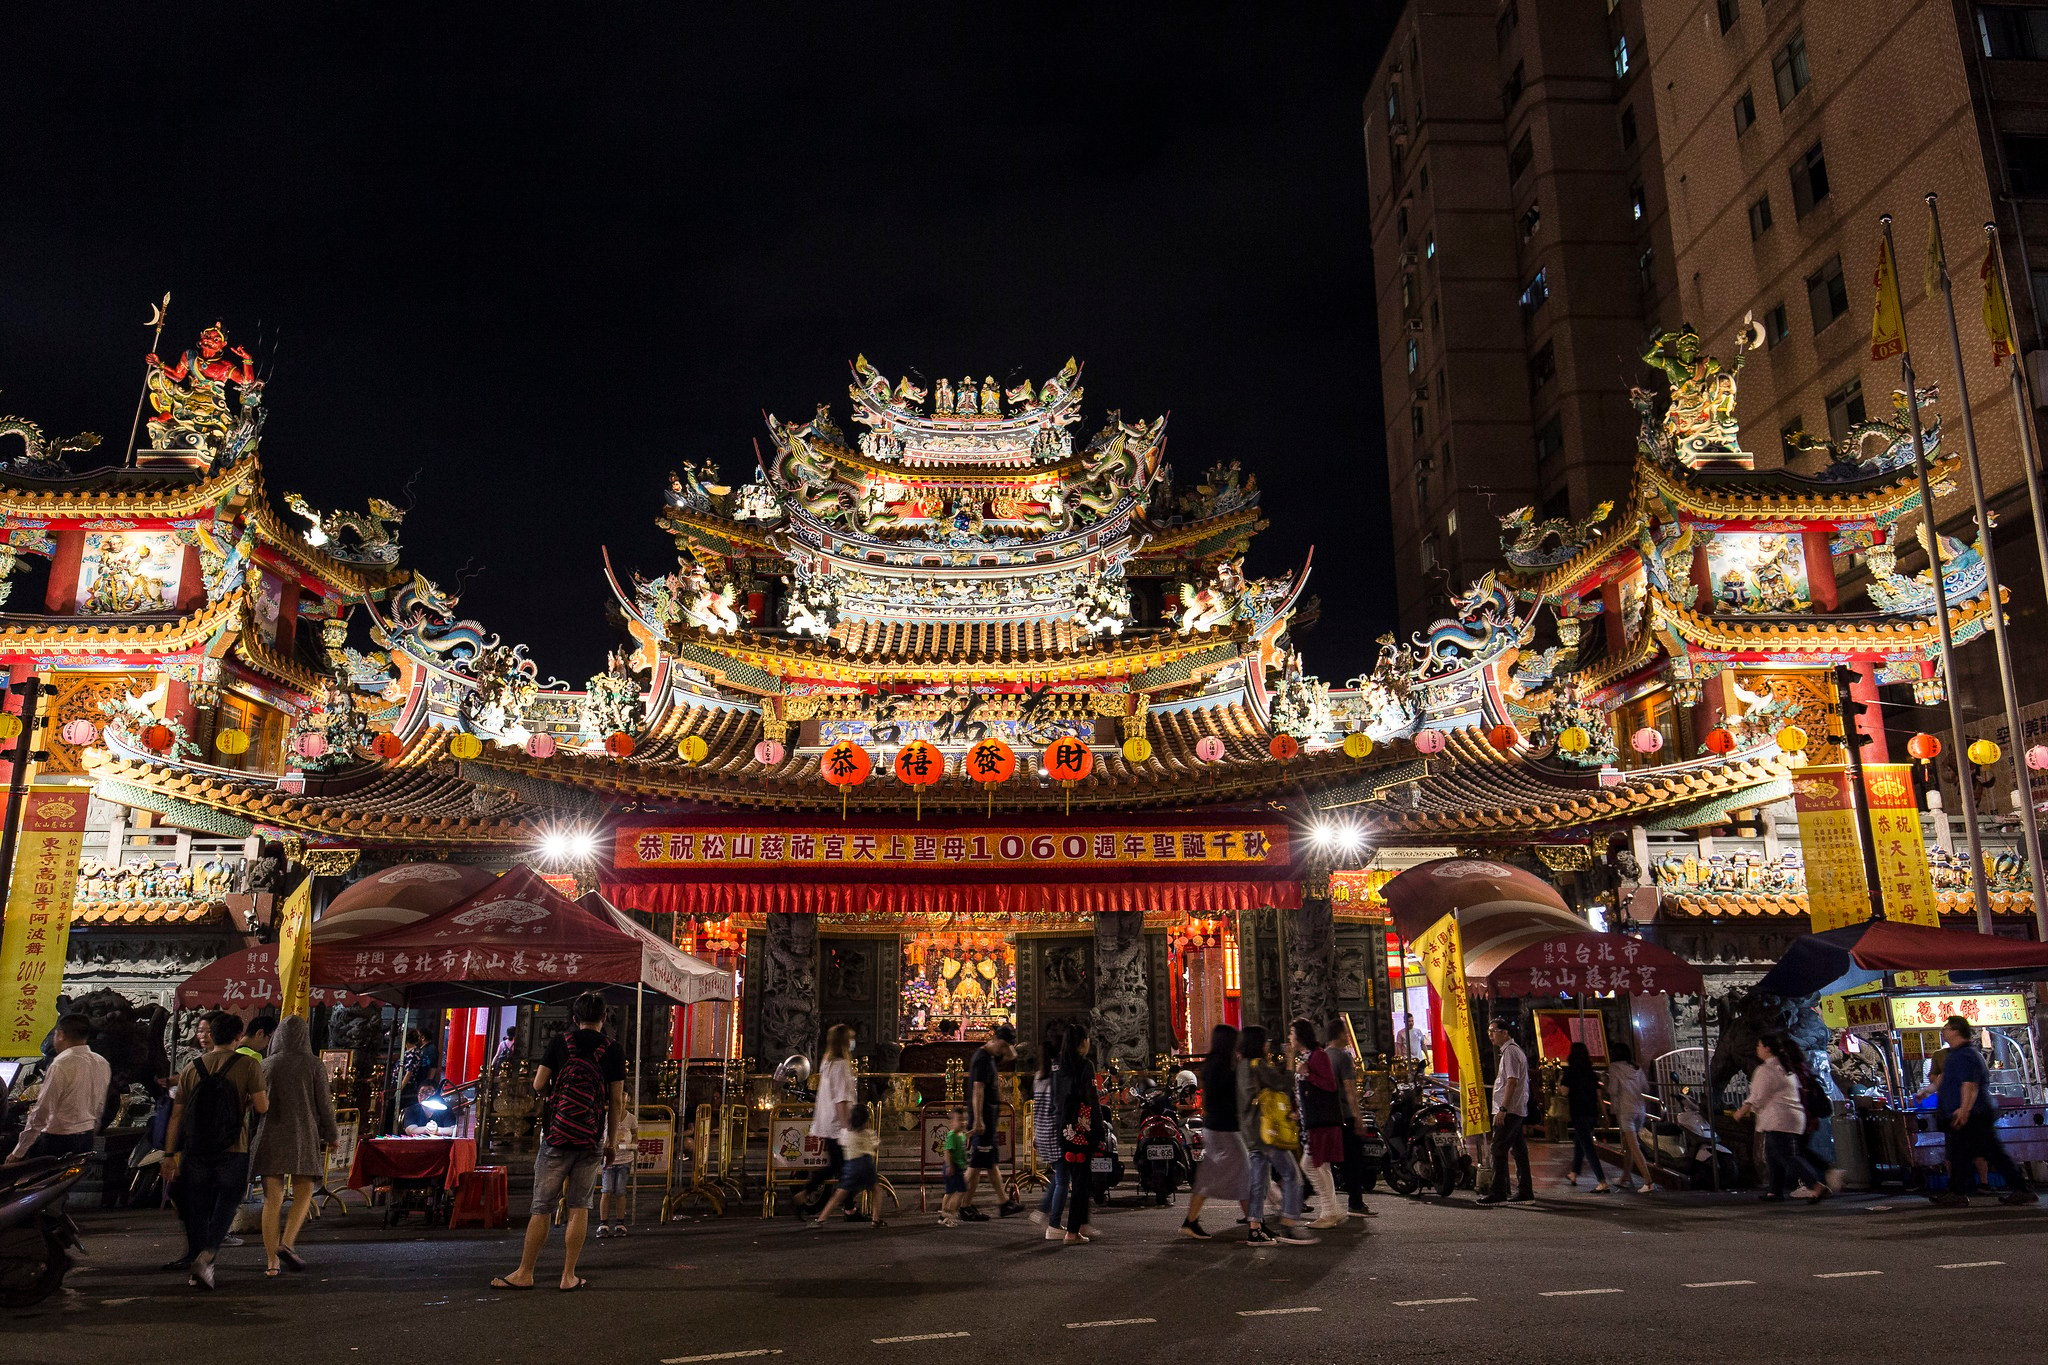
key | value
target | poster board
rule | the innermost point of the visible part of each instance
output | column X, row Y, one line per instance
column 1557, row 1030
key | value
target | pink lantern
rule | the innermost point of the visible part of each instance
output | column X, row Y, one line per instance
column 1430, row 741
column 768, row 753
column 311, row 744
column 1646, row 740
column 540, row 746
column 79, row 732
column 1209, row 748
column 2037, row 757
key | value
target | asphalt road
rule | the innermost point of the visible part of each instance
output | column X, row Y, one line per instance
column 1574, row 1277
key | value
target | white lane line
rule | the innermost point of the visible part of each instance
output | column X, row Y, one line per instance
column 921, row 1336
column 1575, row 1293
column 1112, row 1322
column 1272, row 1312
column 1719, row 1284
column 1847, row 1274
column 1967, row 1265
column 722, row 1355
column 1424, row 1303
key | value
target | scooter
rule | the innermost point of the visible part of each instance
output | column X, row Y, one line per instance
column 1106, row 1165
column 1165, row 1160
column 1372, row 1152
column 1424, row 1148
column 36, row 1236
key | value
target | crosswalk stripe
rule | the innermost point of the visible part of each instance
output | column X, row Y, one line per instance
column 1847, row 1274
column 1273, row 1312
column 1424, row 1303
column 1719, row 1284
column 1967, row 1265
column 1112, row 1322
column 721, row 1355
column 1575, row 1293
column 920, row 1336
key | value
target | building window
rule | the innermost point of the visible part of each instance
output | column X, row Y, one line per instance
column 1628, row 126
column 1415, row 420
column 1724, row 10
column 2013, row 32
column 2026, row 165
column 1646, row 268
column 1810, row 179
column 1407, row 289
column 1393, row 106
column 1776, row 328
column 1549, row 441
column 1430, row 558
column 1414, row 354
column 1759, row 218
column 1429, row 247
column 1519, row 158
column 1827, row 296
column 1788, row 69
column 1745, row 112
column 1542, row 367
column 1504, row 27
column 1532, row 219
column 1511, row 91
column 1636, row 204
column 1622, row 62
column 1401, row 221
column 1845, row 410
column 1538, row 291
column 1422, row 491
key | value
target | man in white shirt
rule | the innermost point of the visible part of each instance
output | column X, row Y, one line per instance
column 1411, row 1042
column 1510, row 1110
column 67, row 1113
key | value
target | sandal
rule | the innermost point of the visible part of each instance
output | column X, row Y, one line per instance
column 292, row 1260
column 572, row 1288
column 500, row 1282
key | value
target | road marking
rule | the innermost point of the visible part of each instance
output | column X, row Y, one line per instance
column 1575, row 1293
column 1272, row 1312
column 1424, row 1303
column 1719, row 1284
column 1967, row 1265
column 722, row 1355
column 921, row 1336
column 1847, row 1274
column 1112, row 1322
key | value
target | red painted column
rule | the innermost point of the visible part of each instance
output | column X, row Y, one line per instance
column 61, row 596
column 1863, row 688
column 1820, row 571
column 191, row 583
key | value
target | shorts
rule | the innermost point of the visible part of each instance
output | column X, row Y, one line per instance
column 858, row 1177
column 956, row 1179
column 614, row 1179
column 563, row 1173
column 981, row 1152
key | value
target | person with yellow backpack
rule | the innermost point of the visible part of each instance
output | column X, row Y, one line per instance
column 1272, row 1135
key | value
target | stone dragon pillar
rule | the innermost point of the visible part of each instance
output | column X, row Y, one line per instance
column 789, row 987
column 1312, row 955
column 1122, row 1021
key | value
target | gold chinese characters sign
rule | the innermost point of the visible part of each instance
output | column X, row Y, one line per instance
column 38, row 928
column 981, row 846
column 1837, row 892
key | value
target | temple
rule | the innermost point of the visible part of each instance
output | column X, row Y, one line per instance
column 973, row 717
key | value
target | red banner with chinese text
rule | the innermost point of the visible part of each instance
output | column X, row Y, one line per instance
column 1005, row 849
column 38, row 924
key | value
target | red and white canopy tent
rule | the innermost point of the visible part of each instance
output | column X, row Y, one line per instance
column 245, row 982
column 1501, row 909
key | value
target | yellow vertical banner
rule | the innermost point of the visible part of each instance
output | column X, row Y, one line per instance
column 295, row 951
column 1887, row 325
column 1837, row 893
column 1903, row 876
column 1997, row 318
column 1441, row 950
column 37, row 931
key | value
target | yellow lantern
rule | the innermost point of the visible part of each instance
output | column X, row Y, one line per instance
column 1137, row 749
column 1792, row 740
column 1984, row 753
column 465, row 747
column 692, row 748
column 232, row 741
column 1574, row 739
column 10, row 725
column 1357, row 744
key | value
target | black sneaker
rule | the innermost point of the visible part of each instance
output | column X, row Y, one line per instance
column 1948, row 1199
column 970, row 1214
column 1192, row 1228
column 1259, row 1237
column 1009, row 1209
column 2019, row 1197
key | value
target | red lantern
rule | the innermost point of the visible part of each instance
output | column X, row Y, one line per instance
column 1430, row 741
column 157, row 737
column 845, row 764
column 1503, row 737
column 1283, row 747
column 387, row 746
column 1719, row 741
column 1068, row 760
column 1924, row 747
column 991, row 760
column 618, row 744
column 919, row 764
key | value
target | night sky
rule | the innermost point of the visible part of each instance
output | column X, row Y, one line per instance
column 527, row 259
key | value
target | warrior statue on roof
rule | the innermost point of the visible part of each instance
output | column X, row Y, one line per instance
column 1700, row 424
column 191, row 397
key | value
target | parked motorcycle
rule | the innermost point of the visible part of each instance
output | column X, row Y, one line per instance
column 36, row 1236
column 1165, row 1159
column 1106, row 1166
column 1372, row 1152
column 1424, row 1145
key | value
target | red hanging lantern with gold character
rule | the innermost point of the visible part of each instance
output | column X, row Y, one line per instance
column 157, row 737
column 1719, row 741
column 1924, row 747
column 1503, row 737
column 387, row 746
column 618, row 744
column 1283, row 747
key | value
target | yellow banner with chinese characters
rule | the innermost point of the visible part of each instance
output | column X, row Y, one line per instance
column 1441, row 950
column 1903, row 876
column 1837, row 893
column 1887, row 327
column 38, row 925
column 295, row 951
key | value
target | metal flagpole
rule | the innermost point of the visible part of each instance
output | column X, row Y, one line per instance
column 639, row 1067
column 2001, row 632
column 2023, row 416
column 158, row 313
column 1964, row 785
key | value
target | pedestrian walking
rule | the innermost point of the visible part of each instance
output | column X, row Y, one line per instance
column 1510, row 1113
column 582, row 1081
column 1970, row 1116
column 66, row 1115
column 1272, row 1136
column 1774, row 1103
column 1045, row 1130
column 614, row 1183
column 256, row 1036
column 1322, row 1117
column 208, row 1152
column 953, row 1150
column 1351, row 1170
column 1582, row 1093
column 862, row 1174
column 1081, row 1130
column 1626, row 1085
column 984, row 1087
column 1820, row 1108
column 830, row 1112
column 1225, row 1169
column 292, row 1141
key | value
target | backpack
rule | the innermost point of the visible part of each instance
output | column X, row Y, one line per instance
column 1277, row 1127
column 577, row 1100
column 212, row 1122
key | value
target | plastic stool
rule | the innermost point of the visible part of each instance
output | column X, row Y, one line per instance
column 481, row 1198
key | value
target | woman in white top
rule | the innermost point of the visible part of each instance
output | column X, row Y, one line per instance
column 830, row 1113
column 1781, row 1118
column 1625, row 1087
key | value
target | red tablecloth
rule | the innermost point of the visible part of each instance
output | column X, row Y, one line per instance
column 412, row 1158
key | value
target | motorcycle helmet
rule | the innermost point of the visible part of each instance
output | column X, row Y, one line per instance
column 1185, row 1080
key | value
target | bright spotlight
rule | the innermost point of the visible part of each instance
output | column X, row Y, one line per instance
column 582, row 844
column 1320, row 836
column 1350, row 840
column 554, row 846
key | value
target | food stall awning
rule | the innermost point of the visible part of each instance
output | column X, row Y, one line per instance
column 405, row 894
column 1501, row 909
column 1842, row 959
column 1589, row 962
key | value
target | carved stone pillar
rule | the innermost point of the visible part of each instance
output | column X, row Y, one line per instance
column 788, row 987
column 1312, row 955
column 1123, row 1016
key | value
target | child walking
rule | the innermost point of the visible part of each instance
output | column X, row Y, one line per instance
column 616, row 1176
column 955, row 1149
column 863, row 1144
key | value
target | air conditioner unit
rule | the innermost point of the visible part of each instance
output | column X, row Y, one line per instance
column 1408, row 259
column 1415, row 324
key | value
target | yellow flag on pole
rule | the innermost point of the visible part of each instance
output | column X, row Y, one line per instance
column 1442, row 952
column 1937, row 264
column 1887, row 326
column 295, row 951
column 1997, row 317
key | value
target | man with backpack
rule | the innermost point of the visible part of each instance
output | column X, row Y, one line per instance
column 582, row 1080
column 207, row 1143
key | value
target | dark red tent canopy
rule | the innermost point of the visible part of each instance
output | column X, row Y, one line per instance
column 247, row 981
column 1840, row 959
column 1581, row 963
